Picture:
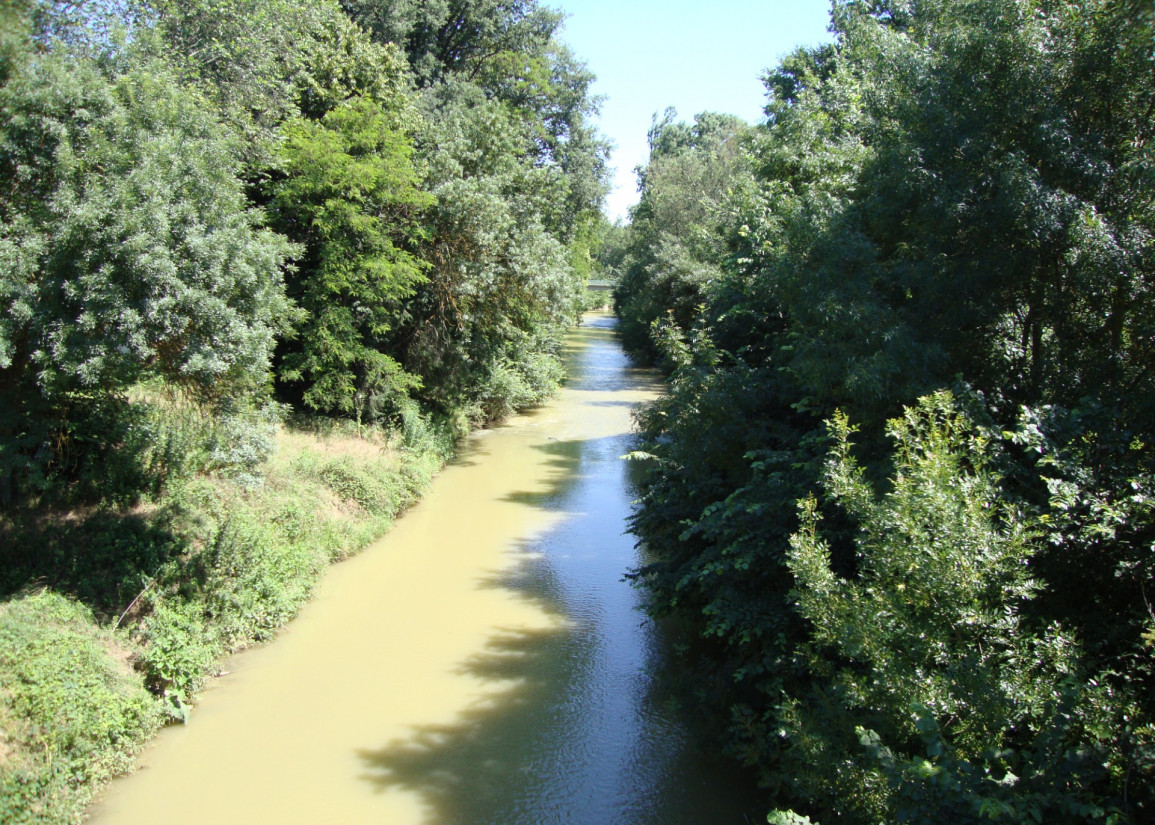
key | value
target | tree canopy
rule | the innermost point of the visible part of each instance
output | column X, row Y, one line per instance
column 951, row 197
column 372, row 205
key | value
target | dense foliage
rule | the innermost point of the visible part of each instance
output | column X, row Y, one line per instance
column 956, row 625
column 201, row 192
column 672, row 251
column 68, row 710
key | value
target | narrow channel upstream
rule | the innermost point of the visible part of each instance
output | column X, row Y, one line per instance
column 483, row 664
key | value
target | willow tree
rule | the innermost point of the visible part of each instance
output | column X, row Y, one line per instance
column 129, row 251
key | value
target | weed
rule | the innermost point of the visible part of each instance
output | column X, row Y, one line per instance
column 72, row 710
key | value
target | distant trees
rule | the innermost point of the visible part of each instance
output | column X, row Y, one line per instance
column 674, row 250
column 952, row 195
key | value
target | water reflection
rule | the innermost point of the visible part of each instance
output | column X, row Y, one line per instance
column 580, row 730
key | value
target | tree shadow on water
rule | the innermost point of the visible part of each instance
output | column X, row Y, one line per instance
column 563, row 473
column 570, row 724
column 487, row 767
column 574, row 462
column 524, row 752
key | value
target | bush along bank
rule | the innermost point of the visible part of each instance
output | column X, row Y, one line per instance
column 125, row 612
column 903, row 486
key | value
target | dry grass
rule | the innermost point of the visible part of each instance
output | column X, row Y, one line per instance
column 120, row 655
column 292, row 442
column 6, row 750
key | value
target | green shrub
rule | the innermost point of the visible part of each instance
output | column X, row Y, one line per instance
column 527, row 373
column 243, row 438
column 256, row 580
column 178, row 651
column 355, row 481
column 938, row 700
column 72, row 711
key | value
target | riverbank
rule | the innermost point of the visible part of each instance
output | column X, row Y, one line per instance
column 484, row 662
column 160, row 593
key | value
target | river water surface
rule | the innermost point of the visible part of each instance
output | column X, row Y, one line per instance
column 483, row 664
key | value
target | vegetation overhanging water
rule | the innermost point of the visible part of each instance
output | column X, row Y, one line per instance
column 483, row 663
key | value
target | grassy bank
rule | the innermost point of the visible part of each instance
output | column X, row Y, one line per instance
column 114, row 617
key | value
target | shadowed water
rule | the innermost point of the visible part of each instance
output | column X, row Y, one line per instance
column 484, row 664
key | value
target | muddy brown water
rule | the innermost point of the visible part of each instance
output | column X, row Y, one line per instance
column 482, row 664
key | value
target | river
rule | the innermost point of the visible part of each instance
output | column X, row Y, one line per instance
column 482, row 664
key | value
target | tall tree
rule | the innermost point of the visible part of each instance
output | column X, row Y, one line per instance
column 128, row 250
column 444, row 38
column 350, row 194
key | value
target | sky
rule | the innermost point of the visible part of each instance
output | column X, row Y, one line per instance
column 695, row 56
